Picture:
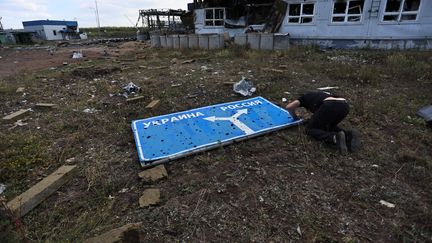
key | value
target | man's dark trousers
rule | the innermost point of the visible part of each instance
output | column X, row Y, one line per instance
column 323, row 124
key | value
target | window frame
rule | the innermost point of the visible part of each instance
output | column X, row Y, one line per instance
column 347, row 15
column 301, row 16
column 400, row 13
column 214, row 20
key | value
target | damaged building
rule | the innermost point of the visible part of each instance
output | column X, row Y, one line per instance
column 329, row 23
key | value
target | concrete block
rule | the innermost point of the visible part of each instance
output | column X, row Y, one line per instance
column 176, row 41
column 155, row 41
column 253, row 40
column 203, row 42
column 240, row 39
column 150, row 197
column 25, row 202
column 267, row 42
column 126, row 233
column 163, row 41
column 281, row 42
column 153, row 104
column 184, row 41
column 169, row 41
column 193, row 41
column 214, row 42
column 154, row 174
column 16, row 115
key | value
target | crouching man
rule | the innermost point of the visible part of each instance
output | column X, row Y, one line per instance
column 328, row 111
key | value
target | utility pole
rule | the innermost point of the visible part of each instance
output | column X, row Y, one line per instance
column 97, row 15
column 1, row 25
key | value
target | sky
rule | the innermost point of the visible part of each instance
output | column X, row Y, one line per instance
column 111, row 12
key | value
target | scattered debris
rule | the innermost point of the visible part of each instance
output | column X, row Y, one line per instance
column 299, row 230
column 154, row 174
column 244, row 87
column 135, row 99
column 426, row 114
column 191, row 96
column 273, row 70
column 18, row 123
column 45, row 105
column 387, row 204
column 2, row 188
column 90, row 110
column 28, row 200
column 77, row 55
column 126, row 233
column 20, row 90
column 153, row 104
column 150, row 197
column 284, row 100
column 375, row 166
column 155, row 68
column 327, row 88
column 176, row 85
column 130, row 89
column 16, row 115
column 188, row 61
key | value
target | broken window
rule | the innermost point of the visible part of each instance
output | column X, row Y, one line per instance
column 401, row 10
column 347, row 11
column 215, row 17
column 301, row 13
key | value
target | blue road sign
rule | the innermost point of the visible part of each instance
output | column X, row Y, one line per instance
column 168, row 137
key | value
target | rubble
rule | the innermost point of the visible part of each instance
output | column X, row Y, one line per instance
column 130, row 89
column 244, row 87
column 153, row 104
column 126, row 233
column 150, row 197
column 154, row 174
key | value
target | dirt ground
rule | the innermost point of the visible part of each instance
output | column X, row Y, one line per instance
column 278, row 187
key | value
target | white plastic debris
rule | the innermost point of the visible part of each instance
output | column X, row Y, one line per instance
column 2, row 188
column 299, row 230
column 387, row 204
column 284, row 100
column 77, row 55
column 328, row 88
column 90, row 110
column 244, row 87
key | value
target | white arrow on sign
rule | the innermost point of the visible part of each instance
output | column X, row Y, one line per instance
column 234, row 119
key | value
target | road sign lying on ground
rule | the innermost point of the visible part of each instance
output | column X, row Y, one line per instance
column 168, row 137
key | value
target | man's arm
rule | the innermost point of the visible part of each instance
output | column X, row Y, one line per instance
column 292, row 107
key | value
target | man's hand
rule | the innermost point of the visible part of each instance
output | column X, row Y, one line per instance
column 292, row 107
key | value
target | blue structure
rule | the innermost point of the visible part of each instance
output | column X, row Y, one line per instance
column 53, row 29
column 168, row 137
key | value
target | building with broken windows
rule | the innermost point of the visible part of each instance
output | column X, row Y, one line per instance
column 330, row 23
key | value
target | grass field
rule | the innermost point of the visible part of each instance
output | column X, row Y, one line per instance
column 278, row 187
column 110, row 32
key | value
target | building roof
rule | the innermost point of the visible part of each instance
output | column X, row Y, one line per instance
column 50, row 22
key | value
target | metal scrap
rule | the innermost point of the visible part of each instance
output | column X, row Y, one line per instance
column 244, row 87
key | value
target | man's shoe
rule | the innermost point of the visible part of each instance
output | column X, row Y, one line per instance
column 341, row 143
column 353, row 140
